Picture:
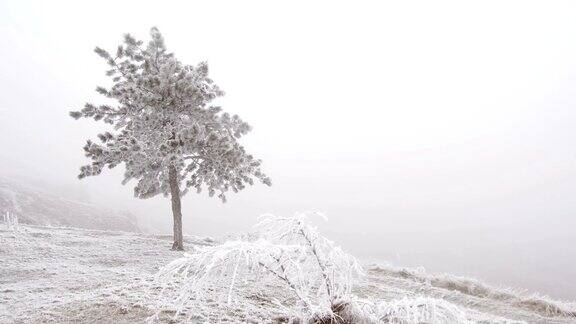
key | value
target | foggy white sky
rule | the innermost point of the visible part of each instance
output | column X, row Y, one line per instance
column 437, row 134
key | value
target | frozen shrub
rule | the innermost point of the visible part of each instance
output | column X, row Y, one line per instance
column 290, row 252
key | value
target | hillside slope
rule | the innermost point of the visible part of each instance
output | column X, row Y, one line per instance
column 37, row 206
column 66, row 275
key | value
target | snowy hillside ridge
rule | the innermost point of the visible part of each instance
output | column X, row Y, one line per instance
column 72, row 275
column 35, row 206
column 532, row 302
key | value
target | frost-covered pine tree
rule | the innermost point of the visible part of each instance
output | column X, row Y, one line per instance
column 166, row 132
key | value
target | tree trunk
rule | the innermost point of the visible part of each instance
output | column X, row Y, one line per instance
column 176, row 208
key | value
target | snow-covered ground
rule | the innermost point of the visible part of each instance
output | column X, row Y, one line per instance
column 61, row 275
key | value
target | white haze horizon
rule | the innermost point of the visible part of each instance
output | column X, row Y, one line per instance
column 439, row 135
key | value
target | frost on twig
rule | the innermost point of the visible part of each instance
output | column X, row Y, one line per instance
column 314, row 275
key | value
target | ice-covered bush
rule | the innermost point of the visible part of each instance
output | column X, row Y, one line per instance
column 289, row 253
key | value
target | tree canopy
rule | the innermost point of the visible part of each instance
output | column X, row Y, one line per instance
column 164, row 119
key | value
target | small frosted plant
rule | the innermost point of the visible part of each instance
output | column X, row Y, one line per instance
column 419, row 310
column 11, row 221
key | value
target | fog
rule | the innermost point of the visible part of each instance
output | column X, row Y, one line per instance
column 439, row 135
